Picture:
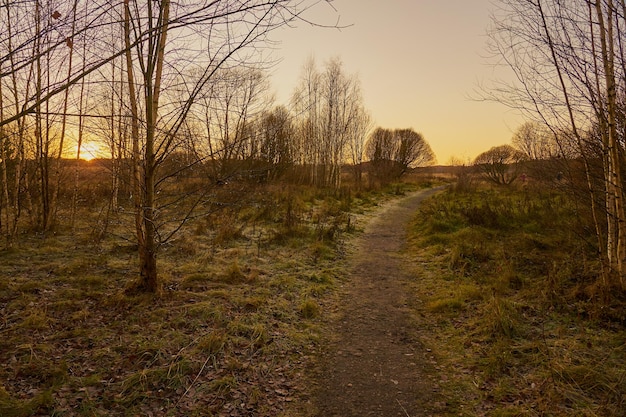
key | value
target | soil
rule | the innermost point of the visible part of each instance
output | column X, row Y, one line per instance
column 376, row 364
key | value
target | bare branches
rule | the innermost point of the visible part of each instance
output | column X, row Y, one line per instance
column 329, row 113
column 571, row 76
column 160, row 65
column 393, row 152
column 500, row 164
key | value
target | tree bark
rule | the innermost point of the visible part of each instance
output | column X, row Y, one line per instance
column 140, row 232
column 615, row 205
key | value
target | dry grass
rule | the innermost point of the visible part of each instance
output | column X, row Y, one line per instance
column 241, row 310
column 508, row 299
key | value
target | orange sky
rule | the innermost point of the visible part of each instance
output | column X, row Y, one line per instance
column 419, row 62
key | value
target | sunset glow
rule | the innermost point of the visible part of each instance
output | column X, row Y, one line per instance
column 419, row 63
column 90, row 151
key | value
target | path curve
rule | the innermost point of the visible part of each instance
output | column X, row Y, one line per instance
column 375, row 366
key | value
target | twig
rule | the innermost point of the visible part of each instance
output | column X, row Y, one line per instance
column 194, row 380
column 403, row 409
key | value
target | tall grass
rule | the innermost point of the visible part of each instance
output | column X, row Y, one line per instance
column 508, row 278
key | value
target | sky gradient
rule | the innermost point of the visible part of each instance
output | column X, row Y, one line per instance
column 420, row 63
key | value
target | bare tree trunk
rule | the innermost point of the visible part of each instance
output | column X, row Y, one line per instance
column 5, row 201
column 136, row 155
column 615, row 205
column 20, row 173
column 148, row 256
column 57, row 164
column 40, row 218
column 115, row 144
column 79, row 142
column 152, row 71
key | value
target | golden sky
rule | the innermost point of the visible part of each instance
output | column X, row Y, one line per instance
column 419, row 63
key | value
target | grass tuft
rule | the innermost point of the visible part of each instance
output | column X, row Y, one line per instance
column 501, row 318
column 40, row 403
column 212, row 344
column 309, row 309
column 233, row 274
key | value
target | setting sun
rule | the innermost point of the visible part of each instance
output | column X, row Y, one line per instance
column 90, row 150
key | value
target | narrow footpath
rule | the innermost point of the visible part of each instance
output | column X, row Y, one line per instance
column 376, row 366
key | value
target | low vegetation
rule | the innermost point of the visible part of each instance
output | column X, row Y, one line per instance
column 238, row 318
column 507, row 302
column 514, row 317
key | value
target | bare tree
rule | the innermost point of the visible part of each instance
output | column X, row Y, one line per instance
column 393, row 152
column 379, row 151
column 357, row 137
column 13, row 149
column 571, row 70
column 412, row 150
column 306, row 102
column 329, row 112
column 276, row 146
column 227, row 34
column 536, row 141
column 234, row 99
column 500, row 164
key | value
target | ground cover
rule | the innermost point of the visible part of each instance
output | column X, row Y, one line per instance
column 500, row 286
column 233, row 330
column 508, row 302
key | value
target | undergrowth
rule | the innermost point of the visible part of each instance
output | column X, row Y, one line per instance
column 508, row 282
column 245, row 288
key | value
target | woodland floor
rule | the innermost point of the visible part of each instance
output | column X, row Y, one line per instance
column 375, row 364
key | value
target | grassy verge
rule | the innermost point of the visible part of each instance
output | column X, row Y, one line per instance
column 240, row 315
column 510, row 308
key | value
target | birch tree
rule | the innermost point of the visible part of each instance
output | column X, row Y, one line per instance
column 357, row 136
column 569, row 62
column 306, row 102
column 158, row 51
column 329, row 114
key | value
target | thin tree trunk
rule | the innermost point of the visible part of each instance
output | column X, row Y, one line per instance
column 79, row 142
column 148, row 253
column 58, row 162
column 145, row 217
column 39, row 220
column 136, row 156
column 20, row 157
column 574, row 126
column 616, row 207
column 4, row 216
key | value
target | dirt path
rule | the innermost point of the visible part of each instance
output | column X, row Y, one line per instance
column 376, row 365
